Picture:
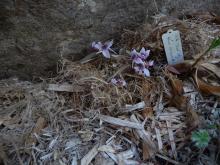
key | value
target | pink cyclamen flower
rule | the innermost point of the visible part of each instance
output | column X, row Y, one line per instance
column 139, row 62
column 142, row 70
column 136, row 58
column 118, row 82
column 103, row 48
column 144, row 53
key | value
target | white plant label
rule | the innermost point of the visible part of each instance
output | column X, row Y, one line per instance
column 173, row 47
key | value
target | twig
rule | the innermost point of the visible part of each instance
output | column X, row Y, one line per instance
column 168, row 159
column 120, row 122
column 171, row 137
column 145, row 136
column 65, row 88
column 129, row 108
column 159, row 140
column 200, row 57
column 90, row 155
column 95, row 78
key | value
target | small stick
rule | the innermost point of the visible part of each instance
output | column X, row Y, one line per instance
column 120, row 122
column 200, row 57
column 90, row 155
column 168, row 159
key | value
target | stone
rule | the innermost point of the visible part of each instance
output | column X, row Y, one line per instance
column 34, row 34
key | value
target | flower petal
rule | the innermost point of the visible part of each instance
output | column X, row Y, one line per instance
column 146, row 72
column 106, row 53
column 119, row 82
column 143, row 50
column 138, row 70
column 114, row 81
column 151, row 63
column 108, row 44
column 147, row 52
column 124, row 83
column 144, row 53
column 138, row 60
column 134, row 53
column 97, row 45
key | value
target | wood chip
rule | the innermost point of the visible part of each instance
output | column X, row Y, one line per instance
column 120, row 122
column 70, row 118
column 129, row 108
column 101, row 159
column 90, row 155
column 65, row 88
column 106, row 148
column 40, row 124
column 74, row 160
column 171, row 138
column 113, row 157
column 145, row 136
column 125, row 156
column 158, row 135
column 145, row 152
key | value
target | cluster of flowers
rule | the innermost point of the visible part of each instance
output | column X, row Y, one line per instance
column 139, row 60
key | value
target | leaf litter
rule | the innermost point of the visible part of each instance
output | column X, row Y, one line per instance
column 80, row 117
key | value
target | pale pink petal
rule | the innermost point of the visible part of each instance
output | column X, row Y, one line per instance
column 144, row 53
column 137, row 70
column 138, row 61
column 97, row 45
column 114, row 81
column 134, row 53
column 151, row 63
column 124, row 83
column 143, row 50
column 106, row 53
column 93, row 44
column 146, row 72
column 119, row 82
column 108, row 44
column 147, row 52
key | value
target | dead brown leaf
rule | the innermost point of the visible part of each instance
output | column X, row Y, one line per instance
column 181, row 102
column 211, row 67
column 206, row 88
column 41, row 123
column 181, row 68
column 216, row 20
column 177, row 100
column 177, row 86
column 192, row 117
